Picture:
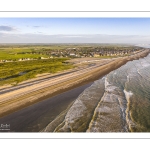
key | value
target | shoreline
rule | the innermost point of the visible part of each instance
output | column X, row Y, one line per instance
column 22, row 101
column 37, row 116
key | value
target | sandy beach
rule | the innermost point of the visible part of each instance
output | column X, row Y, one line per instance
column 13, row 98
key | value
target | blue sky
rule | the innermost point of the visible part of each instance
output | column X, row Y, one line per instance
column 74, row 30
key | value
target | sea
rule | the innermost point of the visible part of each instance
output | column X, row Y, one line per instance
column 118, row 102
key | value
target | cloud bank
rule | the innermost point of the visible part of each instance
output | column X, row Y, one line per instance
column 7, row 28
column 94, row 38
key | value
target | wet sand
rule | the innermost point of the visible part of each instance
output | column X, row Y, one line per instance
column 35, row 117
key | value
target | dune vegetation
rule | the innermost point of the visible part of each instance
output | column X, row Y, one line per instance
column 15, row 72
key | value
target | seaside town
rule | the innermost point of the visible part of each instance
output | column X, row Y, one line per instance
column 75, row 52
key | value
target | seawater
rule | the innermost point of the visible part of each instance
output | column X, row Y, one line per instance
column 119, row 102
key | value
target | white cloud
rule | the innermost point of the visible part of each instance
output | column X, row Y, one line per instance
column 7, row 28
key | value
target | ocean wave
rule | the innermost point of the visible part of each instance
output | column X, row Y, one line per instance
column 109, row 115
column 81, row 112
column 110, row 103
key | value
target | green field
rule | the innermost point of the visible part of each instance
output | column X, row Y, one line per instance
column 15, row 72
column 18, row 53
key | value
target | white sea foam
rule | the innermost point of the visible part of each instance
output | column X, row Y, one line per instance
column 106, row 82
column 144, row 63
column 128, row 78
column 128, row 94
column 109, row 87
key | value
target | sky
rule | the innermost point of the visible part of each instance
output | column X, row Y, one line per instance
column 75, row 30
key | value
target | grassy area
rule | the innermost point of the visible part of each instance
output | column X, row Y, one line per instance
column 5, row 56
column 12, row 55
column 15, row 72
